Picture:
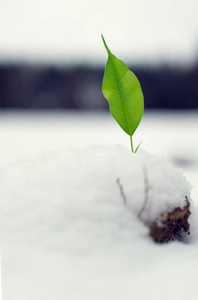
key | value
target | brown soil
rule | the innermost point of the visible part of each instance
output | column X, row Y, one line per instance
column 171, row 226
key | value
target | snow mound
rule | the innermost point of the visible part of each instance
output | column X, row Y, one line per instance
column 71, row 201
column 67, row 234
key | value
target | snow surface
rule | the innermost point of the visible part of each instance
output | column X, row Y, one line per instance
column 65, row 231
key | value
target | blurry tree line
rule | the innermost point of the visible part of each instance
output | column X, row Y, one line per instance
column 51, row 87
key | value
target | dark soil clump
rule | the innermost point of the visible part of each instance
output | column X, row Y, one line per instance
column 171, row 226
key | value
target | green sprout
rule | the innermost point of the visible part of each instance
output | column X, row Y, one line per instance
column 123, row 92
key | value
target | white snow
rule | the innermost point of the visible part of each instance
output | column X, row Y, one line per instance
column 64, row 229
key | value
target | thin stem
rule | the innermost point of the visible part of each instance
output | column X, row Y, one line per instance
column 131, row 143
column 121, row 191
column 147, row 188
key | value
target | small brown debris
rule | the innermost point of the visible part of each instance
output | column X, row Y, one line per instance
column 171, row 226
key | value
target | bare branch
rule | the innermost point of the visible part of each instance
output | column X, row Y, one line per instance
column 147, row 187
column 121, row 191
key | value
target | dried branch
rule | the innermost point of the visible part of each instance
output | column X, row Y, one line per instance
column 147, row 187
column 121, row 191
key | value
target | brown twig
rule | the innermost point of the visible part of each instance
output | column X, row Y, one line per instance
column 121, row 191
column 146, row 191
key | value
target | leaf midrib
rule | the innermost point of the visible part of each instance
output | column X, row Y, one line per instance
column 120, row 90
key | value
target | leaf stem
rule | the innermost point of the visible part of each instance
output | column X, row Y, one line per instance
column 131, row 143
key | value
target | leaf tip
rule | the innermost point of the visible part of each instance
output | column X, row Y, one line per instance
column 108, row 51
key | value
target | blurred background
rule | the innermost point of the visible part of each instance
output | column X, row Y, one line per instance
column 52, row 55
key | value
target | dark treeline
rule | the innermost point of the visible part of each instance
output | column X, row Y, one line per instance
column 27, row 86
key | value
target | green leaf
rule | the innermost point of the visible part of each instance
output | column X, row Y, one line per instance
column 122, row 90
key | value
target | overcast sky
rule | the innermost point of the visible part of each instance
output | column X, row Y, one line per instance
column 136, row 31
